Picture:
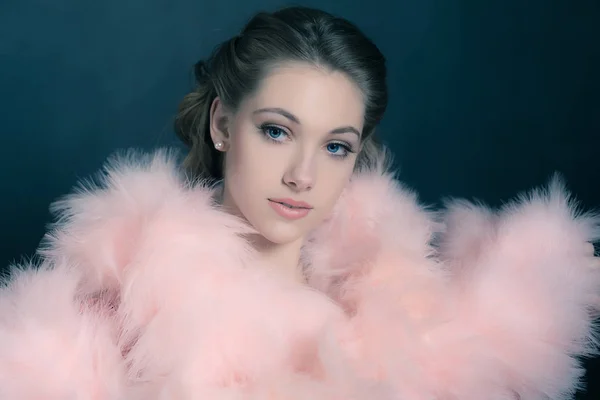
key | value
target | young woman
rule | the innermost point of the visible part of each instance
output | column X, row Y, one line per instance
column 283, row 261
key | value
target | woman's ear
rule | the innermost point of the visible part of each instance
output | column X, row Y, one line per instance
column 219, row 124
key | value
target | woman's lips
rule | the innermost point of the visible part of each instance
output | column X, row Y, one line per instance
column 289, row 208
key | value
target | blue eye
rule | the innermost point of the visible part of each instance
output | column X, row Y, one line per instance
column 274, row 132
column 340, row 150
column 334, row 147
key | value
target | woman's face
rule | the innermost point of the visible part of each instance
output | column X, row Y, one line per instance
column 291, row 149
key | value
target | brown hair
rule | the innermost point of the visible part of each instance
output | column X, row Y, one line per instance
column 236, row 67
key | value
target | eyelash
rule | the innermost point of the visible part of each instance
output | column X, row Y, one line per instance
column 347, row 149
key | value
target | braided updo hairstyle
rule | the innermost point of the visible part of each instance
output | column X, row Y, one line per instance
column 236, row 67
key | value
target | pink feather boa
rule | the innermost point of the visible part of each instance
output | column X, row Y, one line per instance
column 148, row 291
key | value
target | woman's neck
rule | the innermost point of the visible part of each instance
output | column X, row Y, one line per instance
column 284, row 259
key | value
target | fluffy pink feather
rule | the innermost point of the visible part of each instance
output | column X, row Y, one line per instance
column 149, row 291
column 503, row 310
column 54, row 347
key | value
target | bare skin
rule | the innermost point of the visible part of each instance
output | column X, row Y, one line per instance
column 297, row 137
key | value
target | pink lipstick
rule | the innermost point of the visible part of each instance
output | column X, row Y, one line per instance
column 290, row 208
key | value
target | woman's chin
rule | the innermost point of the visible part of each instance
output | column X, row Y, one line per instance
column 280, row 232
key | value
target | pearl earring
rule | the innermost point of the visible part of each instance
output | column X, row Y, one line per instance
column 219, row 145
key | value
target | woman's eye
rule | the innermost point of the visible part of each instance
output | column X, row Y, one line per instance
column 274, row 132
column 339, row 149
column 334, row 148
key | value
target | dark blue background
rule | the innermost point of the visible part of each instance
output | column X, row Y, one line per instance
column 487, row 98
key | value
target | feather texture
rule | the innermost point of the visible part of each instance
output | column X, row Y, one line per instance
column 147, row 290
